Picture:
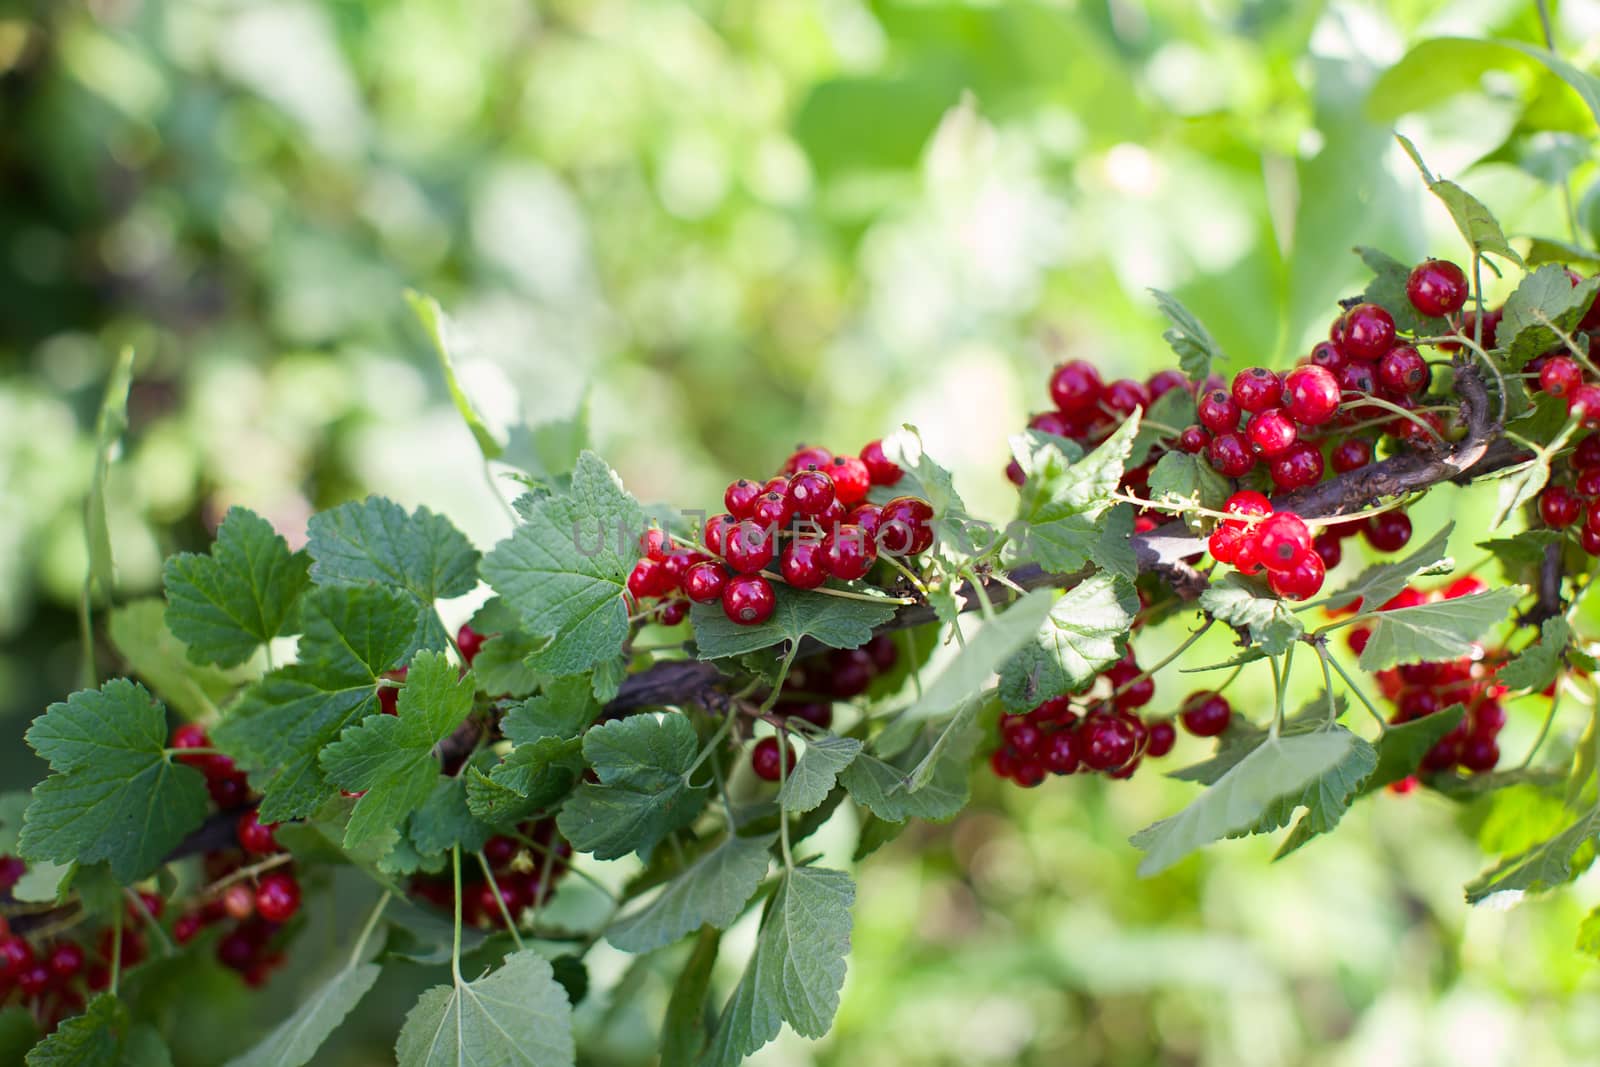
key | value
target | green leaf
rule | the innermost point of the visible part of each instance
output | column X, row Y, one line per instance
column 883, row 787
column 933, row 483
column 1278, row 767
column 798, row 967
column 1388, row 290
column 711, row 892
column 1197, row 350
column 813, row 775
column 139, row 631
column 97, row 1038
column 229, row 603
column 1476, row 223
column 833, row 621
column 1539, row 663
column 110, row 423
column 374, row 540
column 17, row 1033
column 683, row 1031
column 1445, row 630
column 1588, row 941
column 534, row 776
column 389, row 758
column 566, row 566
column 1063, row 505
column 1555, row 250
column 282, row 723
column 516, row 1017
column 1379, row 583
column 1325, row 799
column 1172, row 411
column 1540, row 868
column 296, row 1040
column 1183, row 479
column 1076, row 641
column 114, row 795
column 437, row 326
column 565, row 708
column 643, row 793
column 446, row 819
column 1524, row 550
column 1544, row 302
column 1239, row 603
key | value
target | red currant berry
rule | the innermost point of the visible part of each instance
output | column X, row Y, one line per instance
column 1076, row 387
column 1023, row 736
column 704, row 581
column 500, row 850
column 1488, row 718
column 189, row 735
column 1326, row 355
column 1466, row 585
column 848, row 553
column 1206, row 714
column 810, row 493
column 1193, row 440
column 851, row 479
column 1051, row 422
column 1301, row 581
column 748, row 546
column 773, row 511
column 255, row 835
column 807, row 456
column 1230, row 454
column 1328, row 549
column 1558, row 507
column 1560, row 375
column 768, row 762
column 278, row 897
column 1283, row 540
column 228, row 793
column 1437, row 287
column 34, row 980
column 1272, row 432
column 66, row 959
column 748, row 599
column 1357, row 639
column 740, row 498
column 1247, row 504
column 1060, row 752
column 1358, row 378
column 1105, row 743
column 653, row 543
column 1403, row 371
column 903, row 528
column 801, row 563
column 1003, row 763
column 649, row 579
column 1351, row 454
column 1587, row 483
column 1311, row 395
column 1162, row 736
column 883, row 470
column 1256, row 389
column 1589, row 540
column 1218, row 411
column 1388, row 532
column 1368, row 332
column 1297, row 468
column 1585, row 401
column 1128, row 693
column 672, row 612
column 1163, row 382
column 867, row 516
column 1479, row 754
column 716, row 532
column 239, row 901
column 1125, row 396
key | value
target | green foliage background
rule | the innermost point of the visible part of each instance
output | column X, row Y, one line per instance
column 718, row 229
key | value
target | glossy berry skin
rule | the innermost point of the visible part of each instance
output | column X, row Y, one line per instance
column 749, row 546
column 1589, row 541
column 1388, row 532
column 1076, row 387
column 806, row 456
column 882, row 469
column 1248, row 504
column 190, row 735
column 649, row 579
column 903, row 528
column 277, row 897
column 1403, row 371
column 1206, row 714
column 1052, row 422
column 1358, row 378
column 1256, row 389
column 772, row 511
column 810, row 493
column 1218, row 411
column 1585, row 400
column 1587, row 483
column 1282, row 540
column 851, row 479
column 1162, row 736
column 1311, row 395
column 1125, row 396
column 716, row 532
column 1163, row 382
column 1326, row 354
column 767, row 760
column 1272, row 432
column 801, row 563
column 1560, row 375
column 1193, row 440
column 255, row 835
column 34, row 980
column 1559, row 507
column 66, row 960
column 1297, row 468
column 1023, row 736
column 1061, row 752
column 1105, row 743
column 1479, row 754
column 1230, row 454
column 1301, row 581
column 848, row 553
column 740, row 498
column 748, row 599
column 867, row 516
column 654, row 543
column 704, row 581
column 1351, row 454
column 1368, row 333
column 672, row 612
column 1437, row 287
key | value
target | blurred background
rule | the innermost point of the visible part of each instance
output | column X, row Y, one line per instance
column 721, row 228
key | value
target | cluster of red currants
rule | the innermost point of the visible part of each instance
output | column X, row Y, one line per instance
column 1257, row 537
column 1088, row 409
column 1420, row 689
column 1573, row 495
column 1097, row 733
column 252, row 886
column 813, row 518
column 810, row 689
column 525, row 871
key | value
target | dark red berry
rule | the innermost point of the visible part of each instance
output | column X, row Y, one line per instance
column 1311, row 394
column 1388, row 532
column 768, row 762
column 1585, row 402
column 1352, row 453
column 1125, row 396
column 1560, row 375
column 1060, row 752
column 1163, row 382
column 748, row 547
column 1023, row 736
column 1403, row 371
column 1194, row 439
column 1328, row 549
column 1479, row 753
column 499, row 850
column 748, row 599
column 1206, row 714
column 1076, row 387
column 1256, row 389
column 904, row 526
column 66, row 959
column 883, row 470
column 1105, row 743
column 810, row 493
column 1326, row 355
column 1559, row 507
column 468, row 642
column 190, row 735
column 740, row 498
column 1300, row 466
column 277, row 897
column 802, row 563
column 704, row 581
column 672, row 612
column 1163, row 735
column 649, row 579
column 1437, row 287
column 773, row 510
column 1272, row 432
column 803, row 457
column 848, row 553
column 255, row 835
column 1368, row 333
column 1231, row 454
column 1218, row 411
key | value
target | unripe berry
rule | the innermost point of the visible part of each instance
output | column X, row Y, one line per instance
column 1256, row 389
column 1311, row 394
column 748, row 600
column 1437, row 287
column 1368, row 333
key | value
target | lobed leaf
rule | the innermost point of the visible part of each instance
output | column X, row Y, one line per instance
column 1428, row 632
column 1076, row 641
column 518, row 1016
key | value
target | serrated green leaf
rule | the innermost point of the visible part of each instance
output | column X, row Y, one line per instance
column 1063, row 505
column 711, row 892
column 922, row 477
column 1543, row 302
column 534, row 776
column 564, row 708
column 437, row 326
column 281, row 724
column 1540, row 868
column 296, row 1040
column 114, row 795
column 229, row 603
column 565, row 567
column 1523, row 550
column 1278, row 767
column 1539, row 663
column 92, row 1039
column 1167, row 416
column 1197, row 350
column 516, row 1017
column 1475, row 221
column 833, row 621
column 374, row 540
column 1388, row 290
column 389, row 759
column 139, row 632
column 1402, row 746
column 797, row 970
column 1180, row 478
column 1076, row 641
column 813, row 775
column 1325, row 799
column 1555, row 250
column 446, row 819
column 643, row 793
column 884, row 787
column 1379, row 583
column 683, row 1031
column 1428, row 632
column 1240, row 604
